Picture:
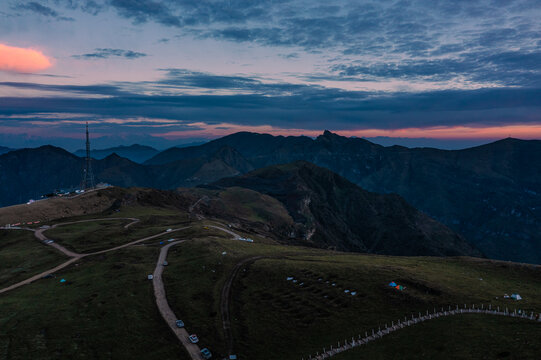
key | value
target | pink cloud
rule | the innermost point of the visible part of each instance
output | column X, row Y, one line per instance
column 22, row 60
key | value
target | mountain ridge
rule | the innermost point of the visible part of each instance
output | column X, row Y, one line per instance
column 331, row 212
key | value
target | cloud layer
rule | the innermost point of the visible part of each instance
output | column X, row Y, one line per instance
column 100, row 53
column 380, row 68
column 22, row 60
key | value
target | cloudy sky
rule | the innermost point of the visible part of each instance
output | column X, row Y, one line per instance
column 164, row 72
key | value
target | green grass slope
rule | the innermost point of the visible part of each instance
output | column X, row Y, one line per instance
column 22, row 256
column 461, row 337
column 106, row 308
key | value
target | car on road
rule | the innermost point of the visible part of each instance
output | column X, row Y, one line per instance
column 206, row 353
column 179, row 323
column 49, row 241
column 168, row 230
column 193, row 339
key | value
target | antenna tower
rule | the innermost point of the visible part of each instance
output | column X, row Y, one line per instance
column 88, row 175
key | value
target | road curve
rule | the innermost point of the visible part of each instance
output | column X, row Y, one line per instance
column 165, row 310
column 226, row 300
column 39, row 276
column 73, row 255
column 235, row 235
column 39, row 234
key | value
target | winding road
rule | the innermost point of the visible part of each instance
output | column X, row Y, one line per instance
column 163, row 306
column 226, row 300
column 73, row 255
column 159, row 289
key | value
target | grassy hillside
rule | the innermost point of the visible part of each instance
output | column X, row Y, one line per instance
column 22, row 256
column 462, row 337
column 106, row 308
column 303, row 319
column 331, row 212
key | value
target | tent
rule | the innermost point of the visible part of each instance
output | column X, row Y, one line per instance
column 516, row 297
column 399, row 287
column 392, row 284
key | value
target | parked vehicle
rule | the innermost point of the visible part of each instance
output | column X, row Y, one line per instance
column 179, row 323
column 193, row 339
column 165, row 263
column 206, row 353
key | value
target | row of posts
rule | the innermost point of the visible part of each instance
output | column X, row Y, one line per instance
column 399, row 324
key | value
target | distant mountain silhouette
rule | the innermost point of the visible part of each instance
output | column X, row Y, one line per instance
column 332, row 212
column 137, row 153
column 4, row 150
column 30, row 173
column 491, row 194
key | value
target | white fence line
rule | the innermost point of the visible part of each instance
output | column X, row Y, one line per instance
column 400, row 324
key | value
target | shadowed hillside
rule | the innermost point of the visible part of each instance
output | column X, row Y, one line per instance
column 334, row 213
column 491, row 194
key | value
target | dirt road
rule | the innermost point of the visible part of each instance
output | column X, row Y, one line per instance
column 77, row 256
column 226, row 300
column 39, row 276
column 165, row 310
column 235, row 235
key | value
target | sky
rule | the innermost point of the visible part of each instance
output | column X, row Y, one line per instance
column 437, row 73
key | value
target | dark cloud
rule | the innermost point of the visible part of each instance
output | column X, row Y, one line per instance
column 41, row 10
column 437, row 40
column 254, row 102
column 105, row 90
column 141, row 11
column 88, row 6
column 107, row 53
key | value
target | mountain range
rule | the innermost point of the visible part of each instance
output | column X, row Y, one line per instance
column 489, row 194
column 4, row 150
column 136, row 153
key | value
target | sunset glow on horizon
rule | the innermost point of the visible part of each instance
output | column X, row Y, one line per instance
column 524, row 132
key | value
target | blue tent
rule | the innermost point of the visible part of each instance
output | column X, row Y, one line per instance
column 392, row 284
column 63, row 280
